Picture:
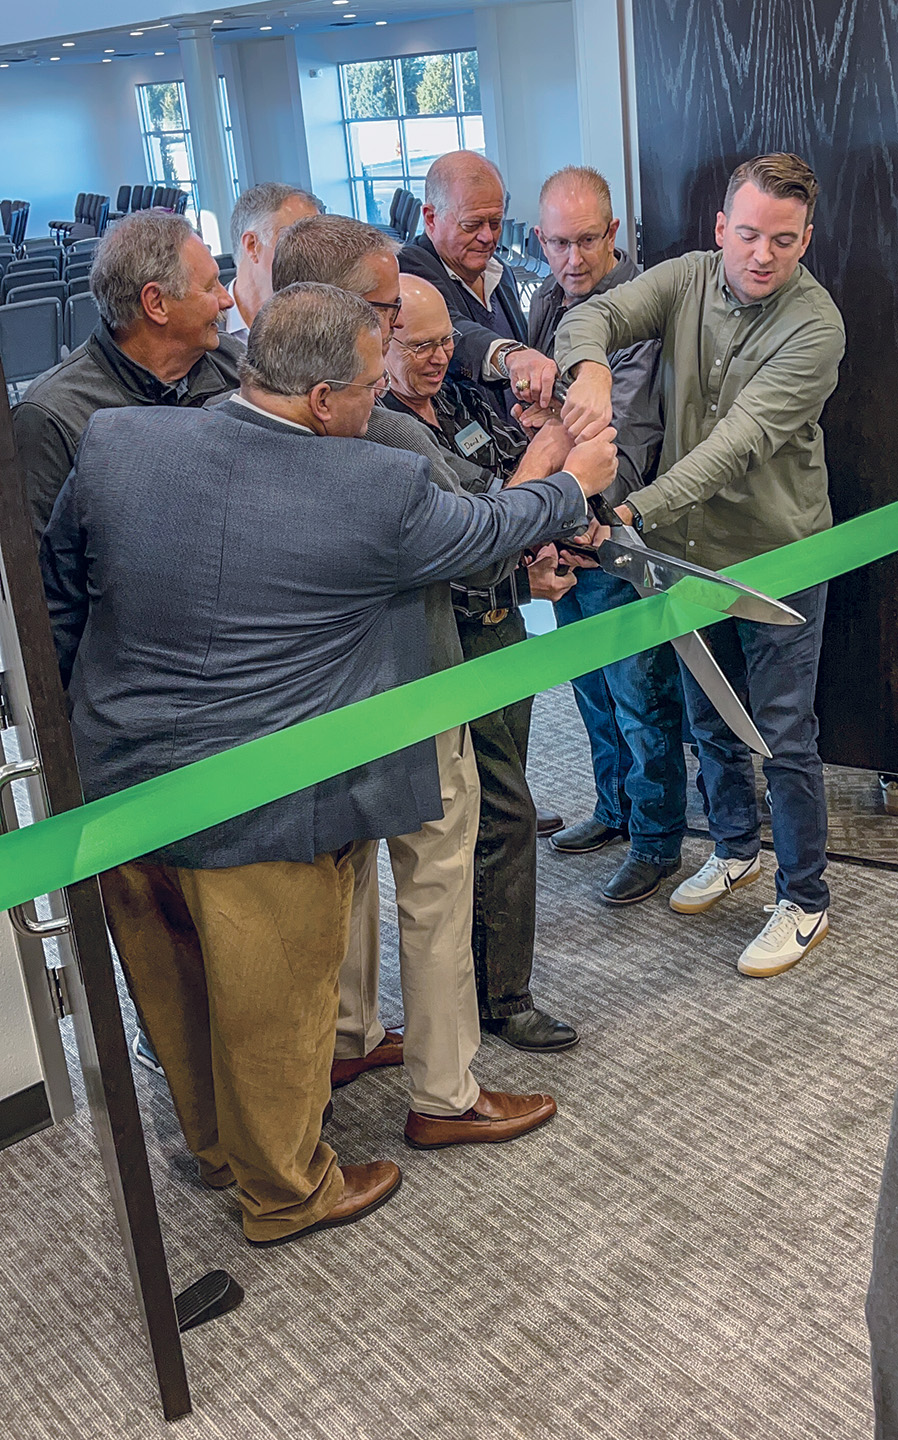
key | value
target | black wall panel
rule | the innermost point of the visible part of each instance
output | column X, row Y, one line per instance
column 717, row 82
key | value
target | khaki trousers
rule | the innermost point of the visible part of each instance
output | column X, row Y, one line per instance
column 235, row 974
column 434, row 874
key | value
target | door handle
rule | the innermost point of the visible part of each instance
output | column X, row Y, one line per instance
column 18, row 915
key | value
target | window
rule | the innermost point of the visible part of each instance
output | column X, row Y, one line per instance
column 165, row 127
column 399, row 115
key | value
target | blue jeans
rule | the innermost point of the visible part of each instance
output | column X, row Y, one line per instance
column 774, row 669
column 632, row 711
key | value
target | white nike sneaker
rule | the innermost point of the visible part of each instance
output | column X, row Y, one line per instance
column 712, row 882
column 788, row 935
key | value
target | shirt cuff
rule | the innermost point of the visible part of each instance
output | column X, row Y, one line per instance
column 583, row 352
column 585, row 520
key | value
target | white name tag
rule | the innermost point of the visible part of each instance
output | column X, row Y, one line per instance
column 471, row 439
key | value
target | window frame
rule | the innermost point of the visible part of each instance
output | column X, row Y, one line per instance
column 402, row 177
column 147, row 134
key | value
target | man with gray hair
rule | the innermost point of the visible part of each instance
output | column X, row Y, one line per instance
column 257, row 220
column 464, row 205
column 434, row 868
column 157, row 343
column 203, row 595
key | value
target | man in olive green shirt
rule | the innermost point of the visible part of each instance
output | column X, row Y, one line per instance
column 750, row 349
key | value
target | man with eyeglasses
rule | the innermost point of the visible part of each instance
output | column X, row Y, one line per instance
column 632, row 710
column 464, row 206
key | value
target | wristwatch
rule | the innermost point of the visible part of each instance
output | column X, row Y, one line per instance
column 637, row 518
column 501, row 355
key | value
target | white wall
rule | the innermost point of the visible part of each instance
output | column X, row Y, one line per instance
column 268, row 110
column 73, row 128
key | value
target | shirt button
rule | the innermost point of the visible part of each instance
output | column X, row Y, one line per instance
column 654, row 527
column 737, row 312
column 716, row 362
column 714, row 409
column 691, row 542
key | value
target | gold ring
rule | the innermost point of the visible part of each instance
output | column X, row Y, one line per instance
column 521, row 385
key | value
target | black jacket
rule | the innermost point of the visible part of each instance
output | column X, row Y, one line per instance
column 468, row 315
column 50, row 421
column 635, row 395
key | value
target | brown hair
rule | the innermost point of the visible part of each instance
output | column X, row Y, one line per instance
column 785, row 176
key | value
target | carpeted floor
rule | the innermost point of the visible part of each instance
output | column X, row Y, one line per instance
column 681, row 1255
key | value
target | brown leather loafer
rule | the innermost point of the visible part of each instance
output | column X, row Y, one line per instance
column 365, row 1189
column 388, row 1052
column 494, row 1118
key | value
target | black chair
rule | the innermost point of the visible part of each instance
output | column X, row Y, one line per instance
column 41, row 290
column 411, row 222
column 30, row 337
column 80, row 285
column 50, row 261
column 82, row 248
column 123, row 198
column 78, row 268
column 19, row 222
column 81, row 316
column 225, row 261
column 181, row 202
column 6, row 215
column 226, row 275
column 31, row 277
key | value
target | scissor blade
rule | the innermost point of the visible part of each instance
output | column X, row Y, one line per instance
column 695, row 655
column 650, row 570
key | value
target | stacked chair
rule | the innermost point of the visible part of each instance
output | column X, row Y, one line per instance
column 152, row 197
column 91, row 218
column 14, row 216
column 46, row 308
column 405, row 215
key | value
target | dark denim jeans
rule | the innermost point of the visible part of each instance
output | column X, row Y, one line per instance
column 632, row 711
column 774, row 669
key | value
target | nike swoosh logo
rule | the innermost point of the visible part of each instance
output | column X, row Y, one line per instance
column 806, row 939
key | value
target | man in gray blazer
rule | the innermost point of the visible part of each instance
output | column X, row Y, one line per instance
column 215, row 575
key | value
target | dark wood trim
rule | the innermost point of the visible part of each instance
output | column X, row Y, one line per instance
column 102, row 1046
column 23, row 1114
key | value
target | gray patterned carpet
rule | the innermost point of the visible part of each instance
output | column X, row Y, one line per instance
column 681, row 1255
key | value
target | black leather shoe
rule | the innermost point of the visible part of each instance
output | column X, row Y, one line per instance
column 587, row 835
column 636, row 880
column 533, row 1030
column 547, row 822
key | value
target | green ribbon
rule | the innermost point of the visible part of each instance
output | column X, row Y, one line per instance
column 73, row 846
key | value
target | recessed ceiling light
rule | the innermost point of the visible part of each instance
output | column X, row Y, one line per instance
column 68, row 44
column 264, row 27
column 55, row 57
column 347, row 16
column 135, row 32
column 217, row 22
column 340, row 2
column 380, row 22
column 108, row 52
column 159, row 52
column 107, row 62
column 4, row 64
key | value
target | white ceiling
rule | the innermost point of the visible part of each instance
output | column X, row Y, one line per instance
column 231, row 24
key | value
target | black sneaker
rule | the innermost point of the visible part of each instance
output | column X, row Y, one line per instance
column 144, row 1053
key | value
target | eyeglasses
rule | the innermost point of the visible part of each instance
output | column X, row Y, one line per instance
column 424, row 349
column 584, row 243
column 471, row 227
column 394, row 306
column 380, row 386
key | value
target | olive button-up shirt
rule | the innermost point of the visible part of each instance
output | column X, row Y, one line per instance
column 742, row 466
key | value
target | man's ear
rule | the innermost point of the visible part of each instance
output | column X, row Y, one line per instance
column 720, row 227
column 428, row 214
column 154, row 303
column 320, row 398
column 251, row 245
column 612, row 231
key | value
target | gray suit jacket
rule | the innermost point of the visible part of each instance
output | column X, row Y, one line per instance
column 215, row 575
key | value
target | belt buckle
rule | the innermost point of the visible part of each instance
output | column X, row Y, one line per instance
column 494, row 617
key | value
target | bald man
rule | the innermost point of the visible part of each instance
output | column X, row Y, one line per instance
column 418, row 358
column 464, row 205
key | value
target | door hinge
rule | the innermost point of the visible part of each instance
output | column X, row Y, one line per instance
column 640, row 243
column 59, row 991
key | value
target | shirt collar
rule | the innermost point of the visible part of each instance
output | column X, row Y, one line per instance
column 203, row 377
column 761, row 305
column 234, row 322
column 492, row 275
column 278, row 419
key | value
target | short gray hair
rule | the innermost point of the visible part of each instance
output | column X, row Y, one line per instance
column 332, row 249
column 450, row 169
column 256, row 209
column 305, row 334
column 140, row 250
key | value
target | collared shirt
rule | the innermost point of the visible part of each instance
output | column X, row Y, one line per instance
column 269, row 415
column 491, row 278
column 235, row 325
column 742, row 467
